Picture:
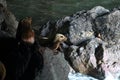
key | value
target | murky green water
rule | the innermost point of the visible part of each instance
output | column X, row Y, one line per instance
column 45, row 10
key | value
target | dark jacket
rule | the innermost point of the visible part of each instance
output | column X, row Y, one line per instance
column 22, row 60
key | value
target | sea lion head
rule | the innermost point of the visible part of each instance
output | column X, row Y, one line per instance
column 60, row 38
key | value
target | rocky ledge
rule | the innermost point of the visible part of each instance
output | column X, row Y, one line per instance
column 93, row 45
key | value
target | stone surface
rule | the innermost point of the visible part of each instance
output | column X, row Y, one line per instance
column 111, row 64
column 98, row 11
column 8, row 22
column 55, row 67
column 3, row 2
column 109, row 28
column 93, row 41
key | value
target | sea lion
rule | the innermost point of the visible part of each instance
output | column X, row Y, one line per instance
column 59, row 38
column 54, row 42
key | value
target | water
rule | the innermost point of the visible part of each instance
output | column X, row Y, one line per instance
column 79, row 76
column 45, row 10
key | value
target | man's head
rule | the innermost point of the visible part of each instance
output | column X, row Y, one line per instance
column 24, row 27
column 28, row 36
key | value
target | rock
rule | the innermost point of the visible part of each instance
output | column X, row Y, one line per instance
column 4, row 34
column 84, row 58
column 111, row 63
column 11, row 23
column 109, row 28
column 92, row 35
column 80, row 28
column 77, row 29
column 98, row 11
column 55, row 67
column 7, row 20
column 3, row 3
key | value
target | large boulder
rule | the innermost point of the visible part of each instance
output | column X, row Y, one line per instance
column 109, row 28
column 87, row 57
column 55, row 67
column 93, row 41
column 8, row 22
column 111, row 64
column 3, row 2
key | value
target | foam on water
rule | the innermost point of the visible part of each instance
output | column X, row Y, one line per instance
column 79, row 76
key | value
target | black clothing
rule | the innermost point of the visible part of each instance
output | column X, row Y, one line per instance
column 22, row 60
